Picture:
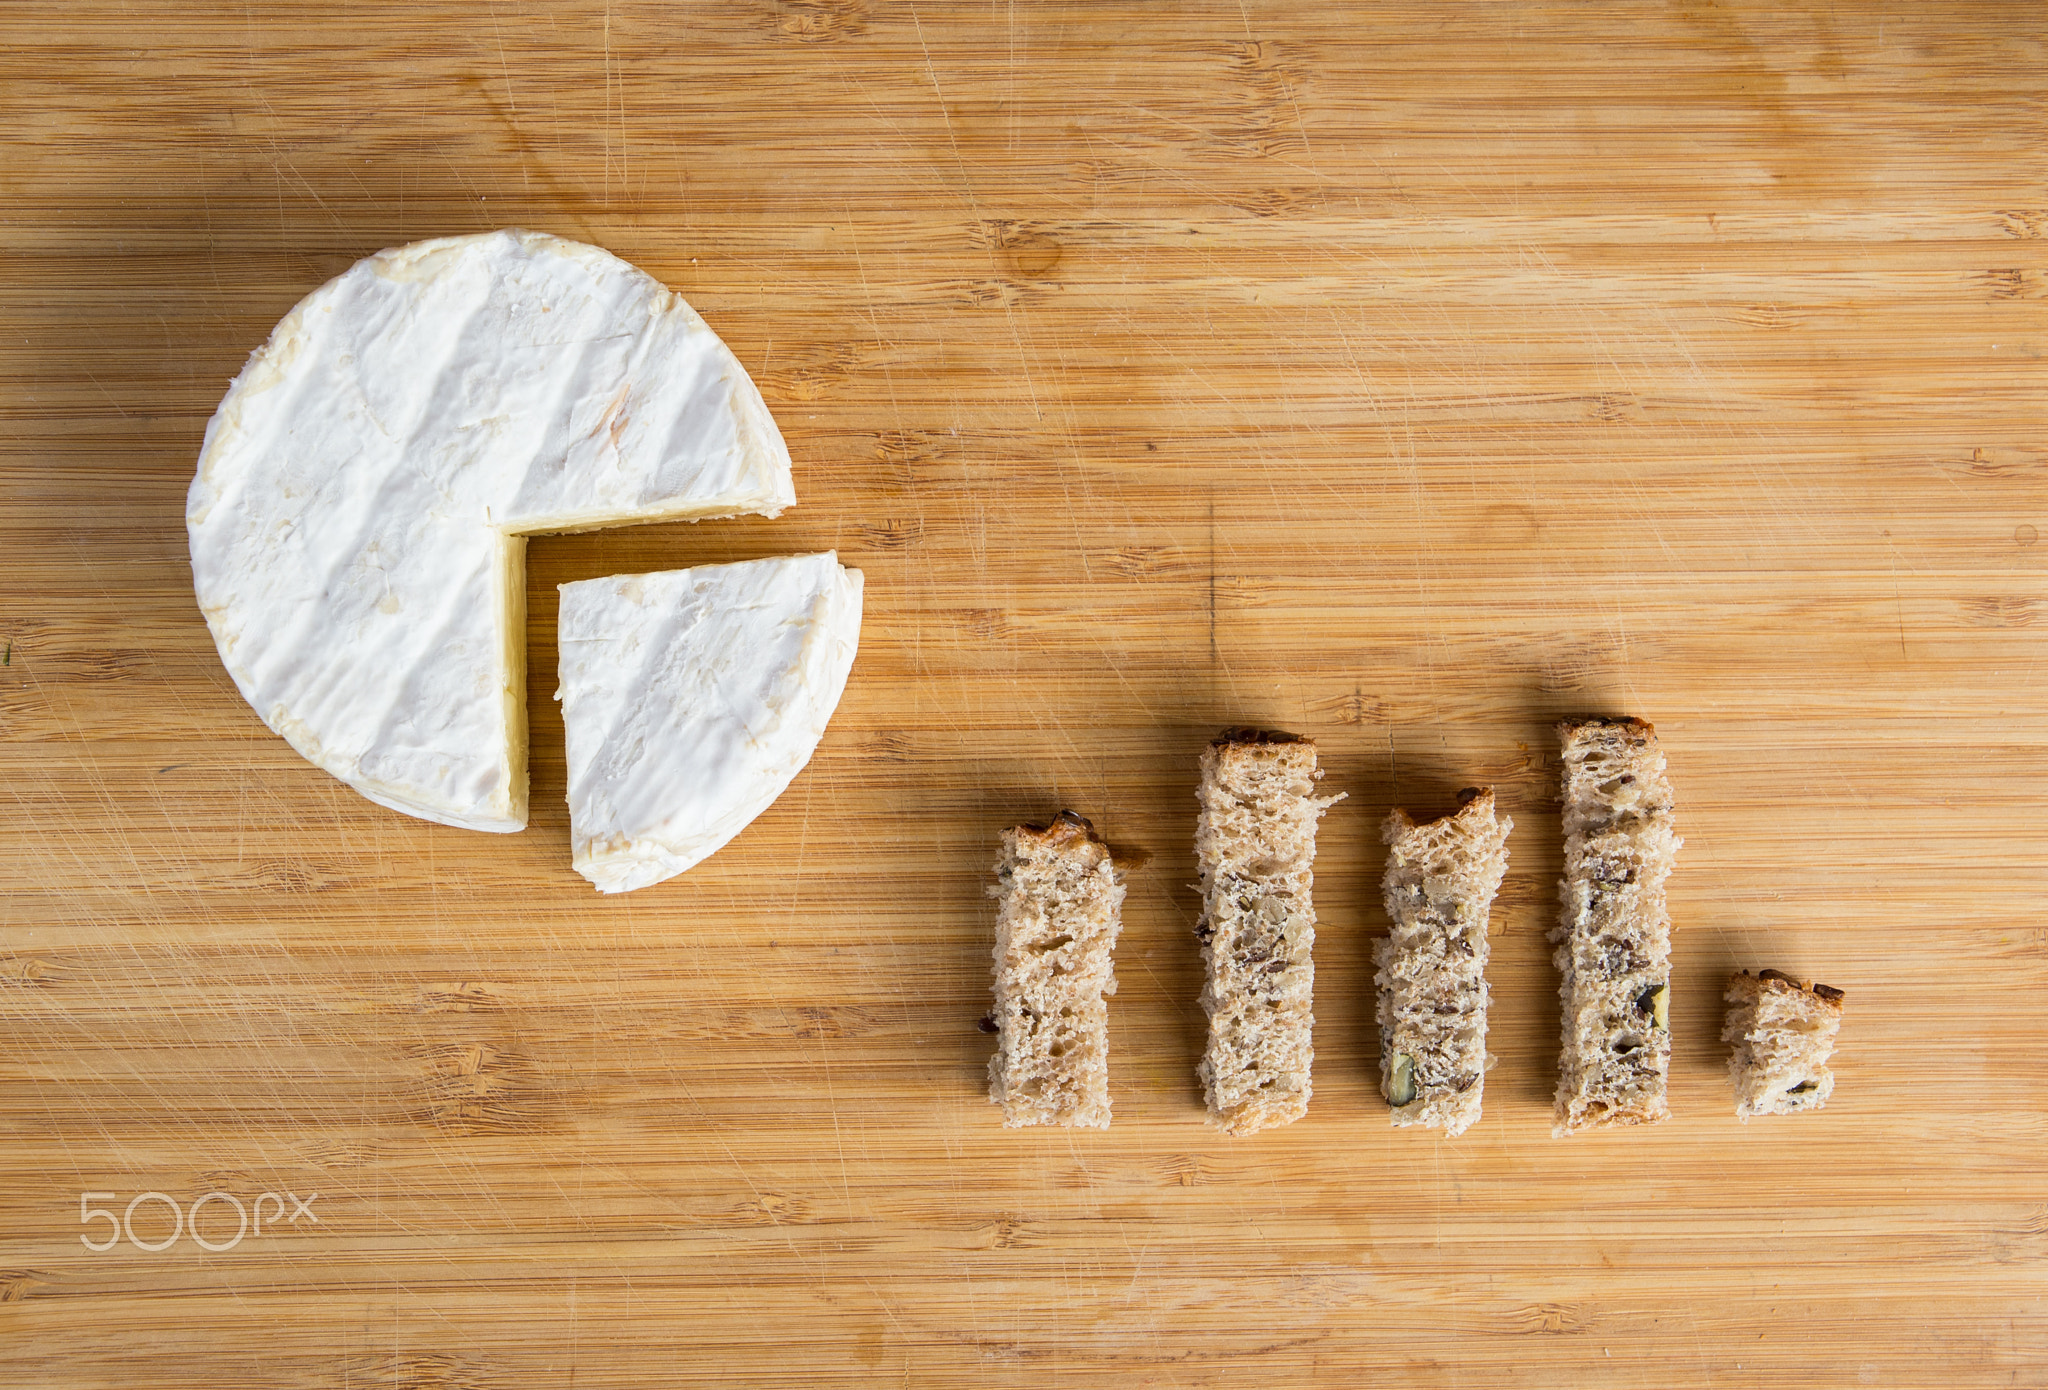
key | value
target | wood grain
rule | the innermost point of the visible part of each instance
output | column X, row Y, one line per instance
column 1407, row 376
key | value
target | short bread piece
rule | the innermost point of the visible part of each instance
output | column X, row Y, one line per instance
column 1255, row 841
column 1614, row 936
column 1061, row 908
column 1431, row 973
column 1784, row 1032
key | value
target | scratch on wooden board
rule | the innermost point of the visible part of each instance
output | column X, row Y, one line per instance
column 608, row 107
column 1898, row 595
column 974, row 208
column 511, row 98
column 1212, row 581
column 867, row 295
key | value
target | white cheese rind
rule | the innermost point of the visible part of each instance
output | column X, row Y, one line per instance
column 363, row 492
column 690, row 699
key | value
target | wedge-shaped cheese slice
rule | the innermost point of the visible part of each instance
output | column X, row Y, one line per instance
column 359, row 518
column 690, row 699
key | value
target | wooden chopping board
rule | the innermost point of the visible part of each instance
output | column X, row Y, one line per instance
column 1402, row 376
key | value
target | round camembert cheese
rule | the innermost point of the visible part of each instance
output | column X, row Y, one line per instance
column 365, row 489
column 690, row 699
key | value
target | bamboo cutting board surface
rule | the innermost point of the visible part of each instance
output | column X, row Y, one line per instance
column 1405, row 376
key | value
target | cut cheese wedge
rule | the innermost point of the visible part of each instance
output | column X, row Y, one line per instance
column 365, row 489
column 690, row 699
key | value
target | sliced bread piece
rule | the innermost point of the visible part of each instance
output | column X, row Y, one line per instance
column 1255, row 842
column 1614, row 937
column 1431, row 973
column 1060, row 910
column 1784, row 1032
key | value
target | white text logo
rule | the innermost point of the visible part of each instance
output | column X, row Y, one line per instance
column 185, row 1220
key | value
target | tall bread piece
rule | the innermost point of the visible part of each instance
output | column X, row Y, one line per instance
column 1784, row 1032
column 1060, row 908
column 1614, row 937
column 1255, row 842
column 1431, row 973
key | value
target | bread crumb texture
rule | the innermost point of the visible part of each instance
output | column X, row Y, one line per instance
column 1059, row 911
column 1255, row 842
column 1613, row 937
column 1784, row 1032
column 1430, row 974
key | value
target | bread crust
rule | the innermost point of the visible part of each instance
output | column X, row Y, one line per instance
column 1613, row 937
column 1060, row 910
column 1255, row 844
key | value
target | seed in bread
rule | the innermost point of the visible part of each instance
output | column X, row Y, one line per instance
column 1255, row 842
column 1614, row 936
column 1431, row 973
column 1060, row 908
column 1784, row 1032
